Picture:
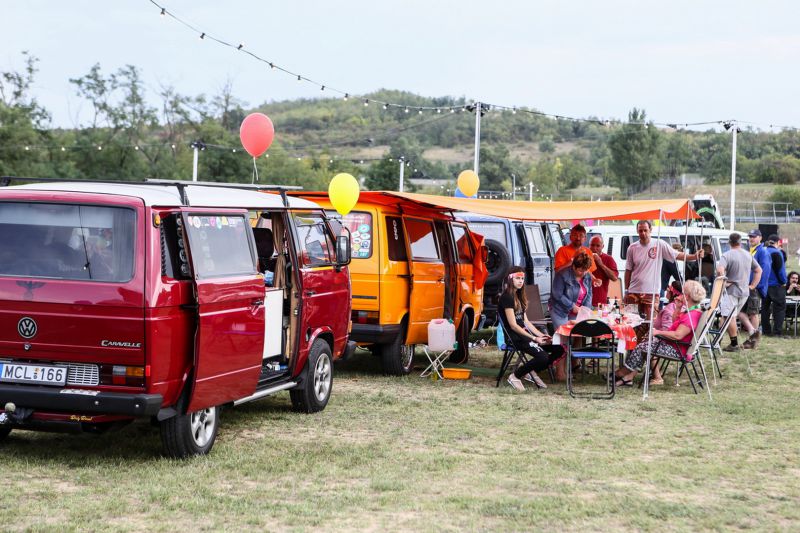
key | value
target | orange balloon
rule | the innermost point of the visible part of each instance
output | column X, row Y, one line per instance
column 468, row 182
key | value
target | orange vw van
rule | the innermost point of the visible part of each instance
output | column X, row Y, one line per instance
column 412, row 262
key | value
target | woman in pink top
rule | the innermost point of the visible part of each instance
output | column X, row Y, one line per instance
column 682, row 330
column 673, row 309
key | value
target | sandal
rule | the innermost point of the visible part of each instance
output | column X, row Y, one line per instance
column 622, row 382
column 659, row 381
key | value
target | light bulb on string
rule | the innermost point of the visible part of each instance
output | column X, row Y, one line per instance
column 406, row 110
column 272, row 66
column 386, row 106
column 420, row 111
column 163, row 12
column 346, row 96
column 27, row 148
column 322, row 88
column 202, row 36
column 63, row 149
column 298, row 78
column 99, row 147
column 241, row 45
column 452, row 110
column 366, row 102
column 438, row 110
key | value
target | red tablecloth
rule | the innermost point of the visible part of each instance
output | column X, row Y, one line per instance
column 623, row 332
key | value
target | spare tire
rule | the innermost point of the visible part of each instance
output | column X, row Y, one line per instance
column 498, row 261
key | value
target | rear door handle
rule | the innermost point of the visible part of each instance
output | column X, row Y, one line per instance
column 258, row 302
column 310, row 293
column 440, row 280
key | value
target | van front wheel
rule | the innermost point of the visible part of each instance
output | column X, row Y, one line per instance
column 315, row 390
column 190, row 434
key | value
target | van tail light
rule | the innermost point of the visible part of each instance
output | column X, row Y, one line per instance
column 365, row 317
column 127, row 376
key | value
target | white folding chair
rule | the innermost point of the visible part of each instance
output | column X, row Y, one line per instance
column 436, row 362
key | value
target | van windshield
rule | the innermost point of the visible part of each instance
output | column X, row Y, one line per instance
column 61, row 241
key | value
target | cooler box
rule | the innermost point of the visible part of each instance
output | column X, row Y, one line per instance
column 441, row 335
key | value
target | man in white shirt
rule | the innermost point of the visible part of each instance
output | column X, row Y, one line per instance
column 643, row 270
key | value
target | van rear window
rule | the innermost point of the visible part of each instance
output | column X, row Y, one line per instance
column 63, row 241
column 490, row 230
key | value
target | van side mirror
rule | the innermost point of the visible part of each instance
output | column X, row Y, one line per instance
column 343, row 249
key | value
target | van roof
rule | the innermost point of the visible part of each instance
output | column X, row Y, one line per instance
column 169, row 195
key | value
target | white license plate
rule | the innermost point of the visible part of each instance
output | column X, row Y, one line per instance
column 27, row 373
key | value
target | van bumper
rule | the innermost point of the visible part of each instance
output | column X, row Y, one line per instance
column 80, row 400
column 375, row 333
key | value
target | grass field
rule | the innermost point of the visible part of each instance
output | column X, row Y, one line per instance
column 414, row 454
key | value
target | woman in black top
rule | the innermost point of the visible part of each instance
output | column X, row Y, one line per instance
column 523, row 334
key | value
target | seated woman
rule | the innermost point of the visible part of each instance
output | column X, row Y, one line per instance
column 673, row 309
column 682, row 330
column 793, row 284
column 572, row 289
column 524, row 335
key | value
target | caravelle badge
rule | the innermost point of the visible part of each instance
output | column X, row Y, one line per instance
column 27, row 328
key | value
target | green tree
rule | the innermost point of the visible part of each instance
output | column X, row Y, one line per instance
column 635, row 156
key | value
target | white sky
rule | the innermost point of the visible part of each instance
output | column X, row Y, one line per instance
column 682, row 61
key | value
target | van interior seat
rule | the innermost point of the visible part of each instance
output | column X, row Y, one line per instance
column 265, row 249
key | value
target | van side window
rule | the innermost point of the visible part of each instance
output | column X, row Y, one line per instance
column 422, row 239
column 220, row 245
column 315, row 241
column 463, row 245
column 395, row 239
column 536, row 239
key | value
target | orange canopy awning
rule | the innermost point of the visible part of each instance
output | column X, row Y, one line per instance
column 677, row 209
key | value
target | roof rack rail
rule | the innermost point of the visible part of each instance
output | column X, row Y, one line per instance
column 5, row 181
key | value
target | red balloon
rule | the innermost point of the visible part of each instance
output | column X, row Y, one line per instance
column 256, row 133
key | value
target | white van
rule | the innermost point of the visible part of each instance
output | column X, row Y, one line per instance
column 617, row 239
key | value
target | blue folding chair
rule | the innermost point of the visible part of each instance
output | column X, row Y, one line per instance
column 602, row 349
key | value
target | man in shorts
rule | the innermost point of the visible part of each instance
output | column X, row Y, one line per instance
column 753, row 305
column 643, row 271
column 743, row 273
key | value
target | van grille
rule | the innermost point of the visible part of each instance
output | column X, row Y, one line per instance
column 83, row 374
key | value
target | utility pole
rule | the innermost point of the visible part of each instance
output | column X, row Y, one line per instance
column 530, row 192
column 513, row 186
column 478, row 110
column 402, row 170
column 196, row 146
column 729, row 125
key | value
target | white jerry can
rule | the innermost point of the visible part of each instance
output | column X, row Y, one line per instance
column 441, row 335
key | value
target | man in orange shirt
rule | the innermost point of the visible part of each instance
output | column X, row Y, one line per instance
column 565, row 254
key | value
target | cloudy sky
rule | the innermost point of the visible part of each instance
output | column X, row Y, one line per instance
column 683, row 61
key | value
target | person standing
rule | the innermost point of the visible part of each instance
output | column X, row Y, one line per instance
column 743, row 273
column 606, row 270
column 643, row 271
column 775, row 302
column 753, row 305
column 565, row 254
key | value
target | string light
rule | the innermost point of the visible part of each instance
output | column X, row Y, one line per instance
column 420, row 109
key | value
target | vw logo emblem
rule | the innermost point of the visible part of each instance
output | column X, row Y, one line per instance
column 27, row 328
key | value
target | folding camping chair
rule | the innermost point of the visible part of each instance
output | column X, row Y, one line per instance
column 535, row 310
column 509, row 351
column 436, row 362
column 711, row 341
column 693, row 351
column 602, row 349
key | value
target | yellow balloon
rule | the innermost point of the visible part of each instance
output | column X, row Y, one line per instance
column 343, row 192
column 468, row 182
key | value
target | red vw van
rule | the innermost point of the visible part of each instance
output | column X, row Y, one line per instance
column 165, row 300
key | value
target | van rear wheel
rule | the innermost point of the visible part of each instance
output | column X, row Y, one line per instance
column 190, row 434
column 315, row 390
column 397, row 358
column 461, row 355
